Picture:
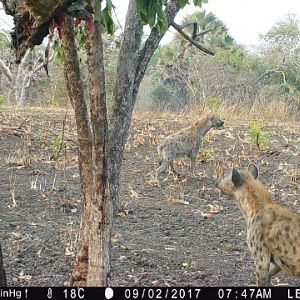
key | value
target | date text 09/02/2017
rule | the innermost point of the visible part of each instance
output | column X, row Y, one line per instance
column 280, row 293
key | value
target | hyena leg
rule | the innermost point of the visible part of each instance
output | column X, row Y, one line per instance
column 260, row 254
column 273, row 270
column 192, row 157
column 162, row 168
column 262, row 275
column 173, row 169
column 262, row 265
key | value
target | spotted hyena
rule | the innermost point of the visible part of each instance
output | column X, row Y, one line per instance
column 186, row 141
column 273, row 232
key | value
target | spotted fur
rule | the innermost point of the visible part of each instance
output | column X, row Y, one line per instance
column 273, row 231
column 186, row 141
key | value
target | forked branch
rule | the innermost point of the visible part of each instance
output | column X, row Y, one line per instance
column 190, row 39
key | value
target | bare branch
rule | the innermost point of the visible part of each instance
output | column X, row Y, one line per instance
column 206, row 31
column 195, row 29
column 272, row 71
column 41, row 65
column 6, row 70
column 187, row 37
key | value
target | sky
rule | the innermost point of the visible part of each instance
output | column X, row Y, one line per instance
column 245, row 19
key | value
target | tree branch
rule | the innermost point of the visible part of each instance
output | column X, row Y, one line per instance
column 205, row 31
column 6, row 70
column 272, row 71
column 41, row 65
column 187, row 37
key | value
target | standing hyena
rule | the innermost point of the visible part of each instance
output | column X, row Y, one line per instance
column 273, row 232
column 186, row 141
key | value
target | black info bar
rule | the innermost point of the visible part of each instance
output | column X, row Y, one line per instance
column 148, row 293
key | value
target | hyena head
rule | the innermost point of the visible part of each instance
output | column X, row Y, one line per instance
column 236, row 179
column 215, row 120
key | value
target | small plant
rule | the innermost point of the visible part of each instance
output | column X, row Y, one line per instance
column 214, row 104
column 58, row 51
column 1, row 101
column 207, row 154
column 259, row 136
column 56, row 145
column 207, row 138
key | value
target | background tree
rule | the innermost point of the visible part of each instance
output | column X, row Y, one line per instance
column 280, row 56
column 19, row 80
column 181, row 70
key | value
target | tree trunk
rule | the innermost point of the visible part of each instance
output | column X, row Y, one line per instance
column 100, row 211
column 84, row 136
column 122, row 105
column 132, row 64
column 92, row 263
column 2, row 271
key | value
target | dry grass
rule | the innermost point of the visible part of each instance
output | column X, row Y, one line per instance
column 274, row 111
column 271, row 112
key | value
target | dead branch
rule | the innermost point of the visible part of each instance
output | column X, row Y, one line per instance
column 193, row 42
column 195, row 32
column 6, row 70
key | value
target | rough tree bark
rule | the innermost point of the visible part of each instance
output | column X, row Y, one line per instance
column 92, row 263
column 132, row 63
column 76, row 95
column 122, row 104
column 100, row 209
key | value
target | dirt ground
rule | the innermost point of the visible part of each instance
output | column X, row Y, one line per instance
column 182, row 233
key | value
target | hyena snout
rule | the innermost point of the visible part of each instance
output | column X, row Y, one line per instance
column 224, row 184
column 220, row 123
column 216, row 121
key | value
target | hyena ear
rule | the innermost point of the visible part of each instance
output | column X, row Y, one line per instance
column 252, row 168
column 237, row 178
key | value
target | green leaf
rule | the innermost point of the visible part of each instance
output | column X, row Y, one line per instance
column 58, row 51
column 81, row 36
column 162, row 21
column 152, row 14
column 198, row 2
column 181, row 3
column 144, row 19
column 106, row 18
column 97, row 15
column 144, row 6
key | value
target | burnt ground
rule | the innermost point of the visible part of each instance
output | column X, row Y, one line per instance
column 182, row 233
